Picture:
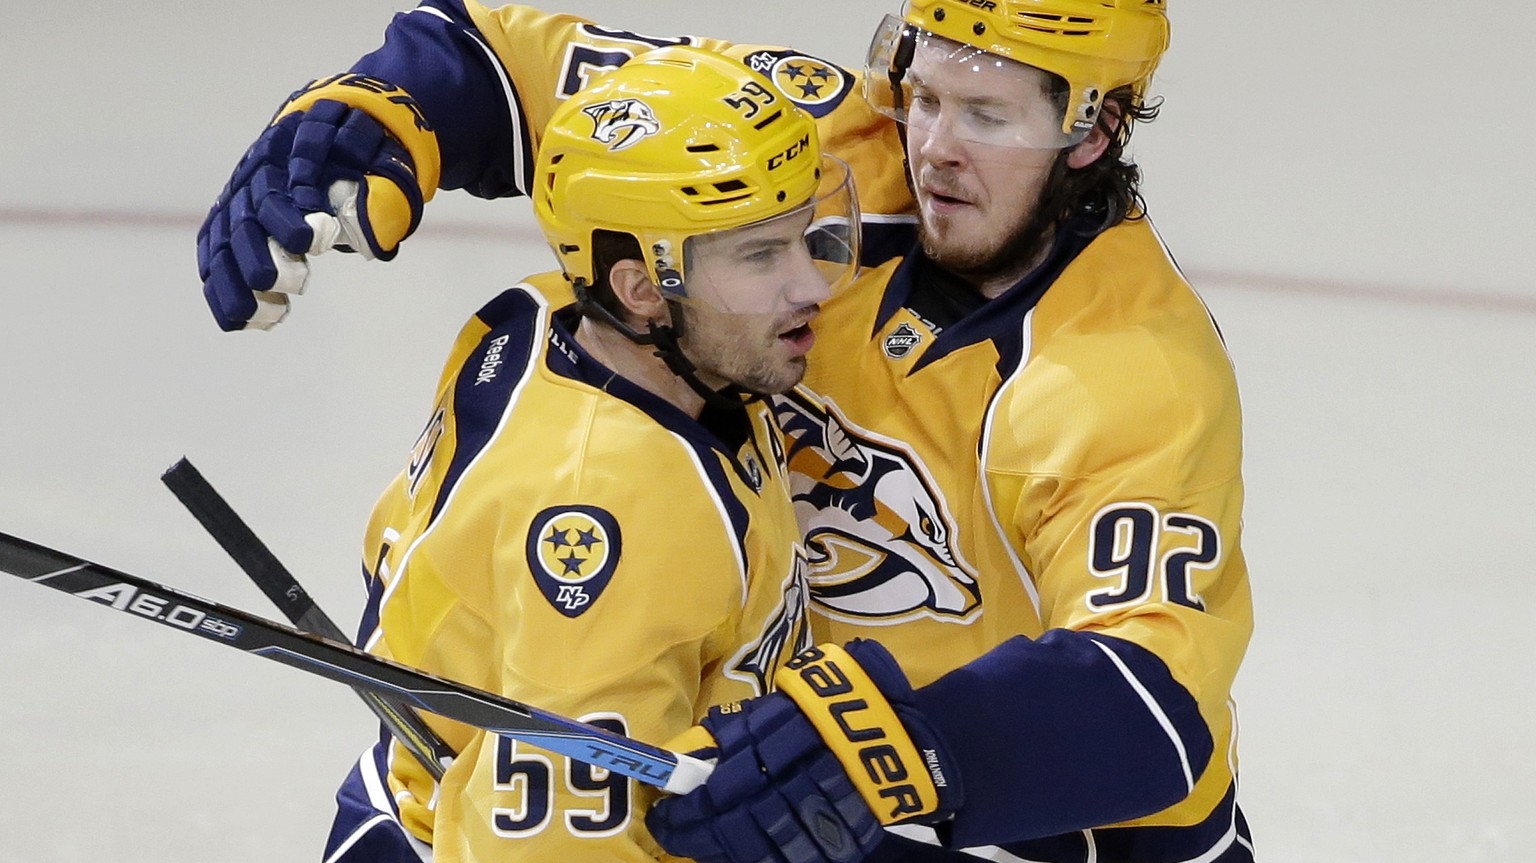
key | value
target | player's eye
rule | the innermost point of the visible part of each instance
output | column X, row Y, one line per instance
column 925, row 99
column 763, row 255
column 989, row 119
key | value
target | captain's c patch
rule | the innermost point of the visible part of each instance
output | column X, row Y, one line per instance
column 572, row 552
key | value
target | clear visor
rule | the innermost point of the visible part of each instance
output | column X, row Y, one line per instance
column 941, row 86
column 779, row 265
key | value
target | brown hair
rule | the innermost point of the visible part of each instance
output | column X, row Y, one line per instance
column 1112, row 184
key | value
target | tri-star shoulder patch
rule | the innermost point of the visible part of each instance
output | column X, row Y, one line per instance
column 816, row 86
column 573, row 551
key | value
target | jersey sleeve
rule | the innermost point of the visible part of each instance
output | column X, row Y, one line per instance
column 1125, row 519
column 488, row 80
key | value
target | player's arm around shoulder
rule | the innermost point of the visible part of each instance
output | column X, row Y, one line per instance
column 527, row 39
column 545, row 56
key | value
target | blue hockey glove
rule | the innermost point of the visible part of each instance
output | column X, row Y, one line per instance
column 809, row 773
column 347, row 163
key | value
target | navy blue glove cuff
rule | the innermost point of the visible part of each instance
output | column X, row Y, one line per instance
column 892, row 682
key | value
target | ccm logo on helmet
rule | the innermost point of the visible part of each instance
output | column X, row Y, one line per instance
column 986, row 5
column 864, row 736
column 796, row 149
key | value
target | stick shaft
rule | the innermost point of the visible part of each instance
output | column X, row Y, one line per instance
column 341, row 662
column 263, row 568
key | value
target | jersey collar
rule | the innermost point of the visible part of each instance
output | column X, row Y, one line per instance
column 996, row 319
column 725, row 430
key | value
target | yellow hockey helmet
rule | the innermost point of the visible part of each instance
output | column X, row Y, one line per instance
column 1095, row 45
column 680, row 143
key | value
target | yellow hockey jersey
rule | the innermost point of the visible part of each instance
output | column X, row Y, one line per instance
column 1067, row 460
column 1045, row 490
column 566, row 538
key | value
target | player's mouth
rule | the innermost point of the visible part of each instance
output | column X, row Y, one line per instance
column 943, row 200
column 798, row 339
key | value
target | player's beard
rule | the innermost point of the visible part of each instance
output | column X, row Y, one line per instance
column 747, row 356
column 1020, row 248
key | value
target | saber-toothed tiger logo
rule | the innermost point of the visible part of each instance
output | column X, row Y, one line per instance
column 880, row 537
column 786, row 634
column 622, row 123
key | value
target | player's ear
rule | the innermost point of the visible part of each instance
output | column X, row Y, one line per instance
column 1088, row 151
column 632, row 286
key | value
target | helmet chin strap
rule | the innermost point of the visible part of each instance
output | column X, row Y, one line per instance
column 901, row 61
column 664, row 338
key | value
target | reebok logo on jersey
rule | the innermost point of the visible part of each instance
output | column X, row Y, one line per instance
column 572, row 553
column 492, row 361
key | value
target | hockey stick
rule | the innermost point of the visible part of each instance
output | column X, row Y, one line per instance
column 670, row 771
column 268, row 573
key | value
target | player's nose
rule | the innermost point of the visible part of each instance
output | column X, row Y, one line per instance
column 808, row 284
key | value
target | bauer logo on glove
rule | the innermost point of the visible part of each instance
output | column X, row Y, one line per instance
column 862, row 730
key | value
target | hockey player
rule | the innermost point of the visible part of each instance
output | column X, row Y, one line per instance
column 595, row 520
column 1020, row 471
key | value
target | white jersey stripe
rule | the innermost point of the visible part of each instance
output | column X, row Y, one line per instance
column 1023, row 573
column 520, row 131
column 1157, row 713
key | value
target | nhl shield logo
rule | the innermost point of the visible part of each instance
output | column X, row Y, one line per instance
column 572, row 554
column 901, row 341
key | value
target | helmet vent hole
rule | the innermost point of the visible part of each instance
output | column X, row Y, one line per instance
column 723, row 192
column 703, row 148
column 1060, row 25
